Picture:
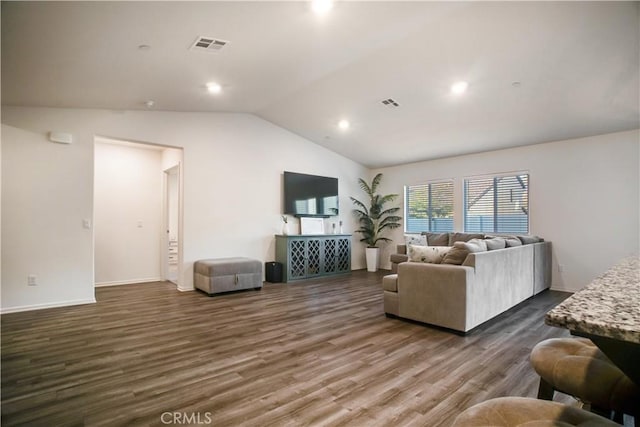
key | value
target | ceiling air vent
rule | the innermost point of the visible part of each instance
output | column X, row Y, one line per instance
column 390, row 103
column 208, row 44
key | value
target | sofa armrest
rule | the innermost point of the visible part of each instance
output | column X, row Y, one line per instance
column 541, row 266
column 398, row 257
column 434, row 293
column 503, row 278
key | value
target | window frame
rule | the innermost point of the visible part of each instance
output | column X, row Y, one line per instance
column 495, row 214
column 429, row 218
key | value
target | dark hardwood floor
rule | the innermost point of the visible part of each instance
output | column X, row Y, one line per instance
column 318, row 352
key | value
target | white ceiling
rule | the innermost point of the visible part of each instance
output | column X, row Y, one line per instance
column 577, row 63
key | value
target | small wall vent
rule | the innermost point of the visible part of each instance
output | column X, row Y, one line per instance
column 390, row 103
column 208, row 44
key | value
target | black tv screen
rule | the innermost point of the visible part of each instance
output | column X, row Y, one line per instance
column 310, row 195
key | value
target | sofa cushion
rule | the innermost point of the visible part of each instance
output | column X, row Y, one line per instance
column 509, row 239
column 512, row 241
column 415, row 239
column 474, row 245
column 463, row 237
column 430, row 254
column 527, row 240
column 494, row 243
column 437, row 239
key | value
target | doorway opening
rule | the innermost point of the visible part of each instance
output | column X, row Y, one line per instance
column 172, row 222
column 137, row 212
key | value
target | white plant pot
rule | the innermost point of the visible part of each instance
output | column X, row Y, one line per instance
column 372, row 259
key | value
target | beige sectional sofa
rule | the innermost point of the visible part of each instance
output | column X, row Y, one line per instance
column 461, row 297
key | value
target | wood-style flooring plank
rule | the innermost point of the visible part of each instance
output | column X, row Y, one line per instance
column 318, row 352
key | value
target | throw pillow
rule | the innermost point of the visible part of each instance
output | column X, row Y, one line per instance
column 463, row 237
column 474, row 245
column 430, row 254
column 494, row 243
column 456, row 255
column 415, row 239
column 437, row 239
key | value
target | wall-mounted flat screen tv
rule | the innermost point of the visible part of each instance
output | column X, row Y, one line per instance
column 310, row 195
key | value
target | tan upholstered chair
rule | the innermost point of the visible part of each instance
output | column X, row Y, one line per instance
column 575, row 366
column 522, row 411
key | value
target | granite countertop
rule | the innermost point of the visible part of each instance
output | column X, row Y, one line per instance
column 608, row 307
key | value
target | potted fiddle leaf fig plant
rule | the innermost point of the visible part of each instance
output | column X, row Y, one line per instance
column 375, row 218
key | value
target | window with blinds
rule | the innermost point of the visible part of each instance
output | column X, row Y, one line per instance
column 498, row 204
column 429, row 207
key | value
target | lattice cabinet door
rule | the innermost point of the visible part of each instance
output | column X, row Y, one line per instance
column 297, row 265
column 343, row 254
column 330, row 246
column 314, row 257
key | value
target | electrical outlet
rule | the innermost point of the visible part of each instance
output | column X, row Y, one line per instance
column 560, row 268
column 32, row 280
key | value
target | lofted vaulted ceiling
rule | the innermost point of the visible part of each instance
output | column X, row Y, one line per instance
column 537, row 71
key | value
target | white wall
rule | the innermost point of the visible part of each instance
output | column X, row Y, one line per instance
column 170, row 158
column 47, row 192
column 584, row 197
column 128, row 214
column 232, row 184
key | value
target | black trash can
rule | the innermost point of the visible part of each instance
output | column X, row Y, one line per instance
column 273, row 271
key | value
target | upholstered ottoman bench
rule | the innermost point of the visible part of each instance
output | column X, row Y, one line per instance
column 215, row 276
column 576, row 366
column 528, row 412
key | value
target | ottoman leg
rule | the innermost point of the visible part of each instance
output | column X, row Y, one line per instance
column 618, row 417
column 600, row 411
column 545, row 390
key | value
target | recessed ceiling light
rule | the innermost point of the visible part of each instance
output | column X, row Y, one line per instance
column 321, row 7
column 144, row 47
column 459, row 88
column 344, row 124
column 516, row 84
column 214, row 87
column 149, row 104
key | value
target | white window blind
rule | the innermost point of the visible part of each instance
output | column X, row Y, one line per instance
column 498, row 204
column 429, row 207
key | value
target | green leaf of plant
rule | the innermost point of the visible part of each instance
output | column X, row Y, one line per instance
column 375, row 217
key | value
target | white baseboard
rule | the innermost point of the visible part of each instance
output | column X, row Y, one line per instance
column 128, row 282
column 185, row 289
column 47, row 305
